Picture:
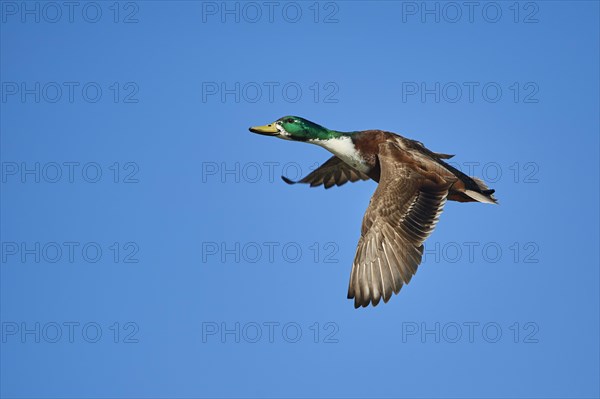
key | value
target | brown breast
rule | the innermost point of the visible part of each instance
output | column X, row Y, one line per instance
column 367, row 143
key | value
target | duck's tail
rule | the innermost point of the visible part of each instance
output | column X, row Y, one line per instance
column 483, row 194
column 470, row 189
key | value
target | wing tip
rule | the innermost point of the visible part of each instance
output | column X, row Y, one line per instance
column 288, row 181
column 373, row 301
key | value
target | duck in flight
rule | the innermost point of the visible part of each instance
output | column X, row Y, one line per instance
column 413, row 186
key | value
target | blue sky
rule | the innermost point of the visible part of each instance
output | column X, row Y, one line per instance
column 149, row 248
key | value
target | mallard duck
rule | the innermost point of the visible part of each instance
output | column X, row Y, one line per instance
column 413, row 186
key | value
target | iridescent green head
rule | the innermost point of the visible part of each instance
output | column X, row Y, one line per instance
column 295, row 128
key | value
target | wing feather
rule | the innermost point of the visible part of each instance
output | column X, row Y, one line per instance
column 334, row 172
column 402, row 214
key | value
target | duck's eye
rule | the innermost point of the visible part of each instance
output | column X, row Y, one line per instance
column 290, row 120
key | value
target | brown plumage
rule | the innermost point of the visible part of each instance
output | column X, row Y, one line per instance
column 414, row 184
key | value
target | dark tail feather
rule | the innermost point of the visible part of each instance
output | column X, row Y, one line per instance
column 469, row 189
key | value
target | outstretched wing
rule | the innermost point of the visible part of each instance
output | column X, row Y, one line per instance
column 402, row 214
column 333, row 172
